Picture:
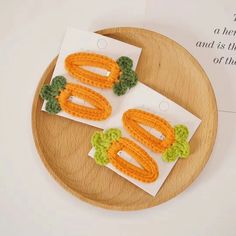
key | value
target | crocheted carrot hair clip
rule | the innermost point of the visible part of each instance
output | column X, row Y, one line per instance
column 107, row 146
column 121, row 75
column 58, row 93
column 174, row 144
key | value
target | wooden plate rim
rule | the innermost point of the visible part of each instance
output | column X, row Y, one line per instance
column 80, row 196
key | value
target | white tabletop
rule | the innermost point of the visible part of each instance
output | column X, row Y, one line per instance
column 31, row 202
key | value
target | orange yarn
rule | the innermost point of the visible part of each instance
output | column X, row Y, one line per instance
column 149, row 171
column 102, row 107
column 132, row 120
column 75, row 61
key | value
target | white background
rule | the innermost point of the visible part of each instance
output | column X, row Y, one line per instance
column 191, row 21
column 31, row 202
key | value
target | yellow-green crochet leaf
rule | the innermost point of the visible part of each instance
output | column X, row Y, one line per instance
column 96, row 139
column 171, row 154
column 101, row 157
column 177, row 150
column 101, row 142
column 184, row 149
column 181, row 133
column 113, row 134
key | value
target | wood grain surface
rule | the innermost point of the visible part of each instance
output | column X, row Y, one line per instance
column 63, row 144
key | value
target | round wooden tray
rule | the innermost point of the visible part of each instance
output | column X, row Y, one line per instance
column 63, row 144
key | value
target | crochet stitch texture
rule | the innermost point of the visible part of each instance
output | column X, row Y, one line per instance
column 173, row 146
column 121, row 77
column 107, row 146
column 58, row 96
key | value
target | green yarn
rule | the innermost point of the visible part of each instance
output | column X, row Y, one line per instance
column 113, row 134
column 177, row 150
column 181, row 132
column 52, row 106
column 120, row 88
column 127, row 79
column 58, row 83
column 101, row 142
column 49, row 92
column 171, row 154
column 101, row 157
column 124, row 62
column 184, row 149
column 180, row 148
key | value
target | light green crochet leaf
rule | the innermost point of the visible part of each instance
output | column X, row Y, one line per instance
column 101, row 142
column 113, row 134
column 96, row 138
column 180, row 148
column 184, row 149
column 171, row 154
column 101, row 157
column 181, row 132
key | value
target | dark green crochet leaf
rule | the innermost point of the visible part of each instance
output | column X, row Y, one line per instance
column 51, row 91
column 58, row 83
column 52, row 106
column 120, row 88
column 125, row 63
column 47, row 92
column 129, row 77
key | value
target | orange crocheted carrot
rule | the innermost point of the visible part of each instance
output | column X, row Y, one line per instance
column 107, row 146
column 132, row 120
column 74, row 63
column 174, row 144
column 102, row 107
column 58, row 96
column 121, row 76
column 149, row 171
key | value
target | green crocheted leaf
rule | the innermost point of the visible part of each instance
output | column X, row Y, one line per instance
column 95, row 140
column 184, row 149
column 52, row 106
column 51, row 91
column 47, row 92
column 171, row 154
column 177, row 150
column 181, row 133
column 129, row 77
column 113, row 134
column 58, row 83
column 125, row 62
column 101, row 142
column 101, row 157
column 120, row 88
column 99, row 139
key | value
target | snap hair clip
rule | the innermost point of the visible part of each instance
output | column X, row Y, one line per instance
column 109, row 143
column 121, row 75
column 174, row 144
column 58, row 93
